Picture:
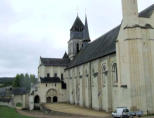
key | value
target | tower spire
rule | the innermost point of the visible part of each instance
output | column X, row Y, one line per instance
column 86, row 30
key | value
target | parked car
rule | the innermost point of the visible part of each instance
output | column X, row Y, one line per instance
column 139, row 113
column 121, row 112
column 132, row 113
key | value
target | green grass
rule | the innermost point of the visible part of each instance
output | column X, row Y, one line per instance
column 6, row 112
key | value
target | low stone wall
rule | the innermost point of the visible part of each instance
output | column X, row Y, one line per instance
column 9, row 104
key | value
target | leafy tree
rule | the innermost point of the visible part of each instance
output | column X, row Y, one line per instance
column 16, row 82
column 24, row 80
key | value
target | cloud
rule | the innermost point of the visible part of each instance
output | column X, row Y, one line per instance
column 33, row 28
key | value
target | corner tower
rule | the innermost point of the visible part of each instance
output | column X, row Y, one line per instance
column 135, row 58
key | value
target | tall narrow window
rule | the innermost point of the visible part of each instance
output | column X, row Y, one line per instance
column 114, row 73
column 77, row 47
column 48, row 74
column 62, row 77
column 104, row 73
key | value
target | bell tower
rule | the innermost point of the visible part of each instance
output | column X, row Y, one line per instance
column 76, row 38
column 79, row 37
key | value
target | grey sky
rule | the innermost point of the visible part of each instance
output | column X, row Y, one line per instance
column 33, row 28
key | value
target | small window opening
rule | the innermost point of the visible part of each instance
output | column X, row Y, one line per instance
column 62, row 77
column 55, row 74
column 48, row 74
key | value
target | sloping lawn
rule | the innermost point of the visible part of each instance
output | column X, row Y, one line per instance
column 6, row 112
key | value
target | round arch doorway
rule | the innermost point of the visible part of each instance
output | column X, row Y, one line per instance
column 51, row 96
column 36, row 102
column 55, row 99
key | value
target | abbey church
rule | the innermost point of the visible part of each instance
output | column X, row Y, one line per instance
column 115, row 70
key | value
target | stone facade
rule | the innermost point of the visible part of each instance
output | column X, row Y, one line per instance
column 43, row 71
column 122, row 79
column 91, row 84
column 48, row 91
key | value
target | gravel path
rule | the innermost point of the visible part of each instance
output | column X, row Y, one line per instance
column 39, row 114
column 76, row 110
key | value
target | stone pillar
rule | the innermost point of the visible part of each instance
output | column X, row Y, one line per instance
column 130, row 11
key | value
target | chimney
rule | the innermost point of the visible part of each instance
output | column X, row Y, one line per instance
column 130, row 11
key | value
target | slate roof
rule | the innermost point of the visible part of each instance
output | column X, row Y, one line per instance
column 5, row 99
column 104, row 45
column 54, row 61
column 65, row 56
column 77, row 24
column 2, row 92
column 147, row 12
column 50, row 80
column 6, row 91
column 19, row 91
column 86, row 36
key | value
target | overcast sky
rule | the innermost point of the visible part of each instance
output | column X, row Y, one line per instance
column 33, row 28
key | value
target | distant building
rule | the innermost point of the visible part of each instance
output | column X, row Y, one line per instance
column 114, row 70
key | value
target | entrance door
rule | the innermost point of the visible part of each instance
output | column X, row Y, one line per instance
column 55, row 99
column 48, row 99
column 37, row 102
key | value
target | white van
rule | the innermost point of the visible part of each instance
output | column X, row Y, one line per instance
column 121, row 112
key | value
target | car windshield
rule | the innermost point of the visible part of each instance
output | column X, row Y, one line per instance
column 125, row 110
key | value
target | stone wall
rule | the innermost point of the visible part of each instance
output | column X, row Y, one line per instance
column 44, row 70
column 23, row 99
column 9, row 104
column 91, row 86
column 135, row 61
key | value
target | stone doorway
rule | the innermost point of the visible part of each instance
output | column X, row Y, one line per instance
column 36, row 102
column 48, row 99
column 55, row 99
column 51, row 96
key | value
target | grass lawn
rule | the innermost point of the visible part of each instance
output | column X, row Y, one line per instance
column 6, row 112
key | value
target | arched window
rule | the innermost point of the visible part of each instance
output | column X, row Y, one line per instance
column 104, row 74
column 114, row 73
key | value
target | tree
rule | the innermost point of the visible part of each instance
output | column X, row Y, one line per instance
column 16, row 82
column 24, row 80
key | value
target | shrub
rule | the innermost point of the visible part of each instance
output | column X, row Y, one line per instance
column 18, row 104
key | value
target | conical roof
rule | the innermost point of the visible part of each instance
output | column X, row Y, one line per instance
column 86, row 31
column 77, row 25
column 65, row 56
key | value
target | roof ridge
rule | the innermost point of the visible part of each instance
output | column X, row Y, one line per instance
column 50, row 58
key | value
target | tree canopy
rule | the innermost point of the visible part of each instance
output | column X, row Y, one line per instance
column 24, row 80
